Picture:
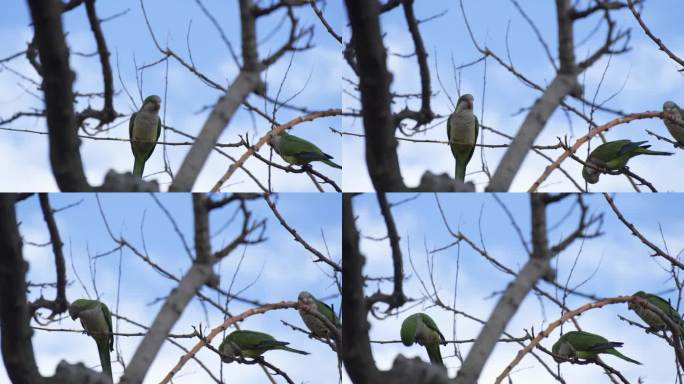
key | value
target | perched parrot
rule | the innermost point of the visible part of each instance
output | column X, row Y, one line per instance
column 421, row 329
column 316, row 325
column 298, row 151
column 97, row 322
column 676, row 128
column 144, row 128
column 462, row 131
column 651, row 317
column 585, row 345
column 251, row 344
column 614, row 156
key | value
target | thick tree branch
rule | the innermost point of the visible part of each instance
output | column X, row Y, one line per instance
column 58, row 78
column 374, row 83
column 17, row 350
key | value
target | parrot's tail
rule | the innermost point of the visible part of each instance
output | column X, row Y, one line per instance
column 105, row 362
column 434, row 354
column 284, row 348
column 623, row 357
column 460, row 170
column 331, row 163
column 657, row 153
column 138, row 167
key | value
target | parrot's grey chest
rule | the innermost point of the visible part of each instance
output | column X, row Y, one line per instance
column 463, row 128
column 676, row 129
column 93, row 320
column 425, row 335
column 145, row 126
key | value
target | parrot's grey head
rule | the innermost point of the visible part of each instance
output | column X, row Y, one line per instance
column 228, row 351
column 305, row 298
column 556, row 350
column 641, row 294
column 74, row 312
column 152, row 103
column 671, row 111
column 591, row 175
column 76, row 308
column 465, row 102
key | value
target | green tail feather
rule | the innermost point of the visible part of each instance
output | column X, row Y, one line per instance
column 331, row 163
column 657, row 153
column 284, row 348
column 105, row 361
column 138, row 167
column 460, row 170
column 434, row 354
column 623, row 357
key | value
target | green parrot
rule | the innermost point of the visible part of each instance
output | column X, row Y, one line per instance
column 614, row 156
column 585, row 345
column 316, row 325
column 144, row 129
column 462, row 131
column 651, row 318
column 298, row 151
column 97, row 322
column 676, row 128
column 421, row 329
column 251, row 344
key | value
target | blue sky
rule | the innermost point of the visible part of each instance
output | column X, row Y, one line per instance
column 127, row 36
column 278, row 268
column 648, row 76
column 620, row 265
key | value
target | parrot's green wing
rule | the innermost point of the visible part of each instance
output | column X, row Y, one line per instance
column 611, row 150
column 427, row 320
column 327, row 311
column 130, row 129
column 585, row 341
column 665, row 306
column 298, row 145
column 108, row 318
column 477, row 132
column 304, row 149
column 661, row 303
column 453, row 151
column 629, row 147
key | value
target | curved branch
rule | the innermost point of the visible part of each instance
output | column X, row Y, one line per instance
column 266, row 138
column 595, row 131
column 225, row 325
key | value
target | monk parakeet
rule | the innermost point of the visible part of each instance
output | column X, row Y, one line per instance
column 585, row 345
column 316, row 325
column 651, row 317
column 613, row 156
column 144, row 129
column 298, row 151
column 462, row 131
column 676, row 128
column 97, row 322
column 420, row 328
column 251, row 344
